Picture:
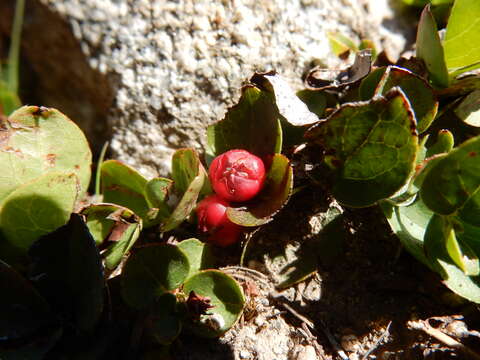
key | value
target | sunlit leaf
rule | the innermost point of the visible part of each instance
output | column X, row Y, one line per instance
column 199, row 255
column 430, row 50
column 37, row 140
column 373, row 147
column 469, row 109
column 454, row 181
column 225, row 295
column 273, row 196
column 461, row 44
column 419, row 94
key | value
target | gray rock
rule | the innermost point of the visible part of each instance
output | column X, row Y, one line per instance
column 153, row 74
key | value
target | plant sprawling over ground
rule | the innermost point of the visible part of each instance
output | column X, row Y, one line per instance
column 403, row 136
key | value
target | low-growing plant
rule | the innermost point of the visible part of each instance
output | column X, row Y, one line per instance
column 83, row 267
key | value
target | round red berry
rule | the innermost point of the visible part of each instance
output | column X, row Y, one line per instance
column 213, row 220
column 237, row 175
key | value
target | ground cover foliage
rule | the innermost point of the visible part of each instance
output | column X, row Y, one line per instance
column 124, row 263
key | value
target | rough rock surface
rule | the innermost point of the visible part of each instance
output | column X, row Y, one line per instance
column 167, row 69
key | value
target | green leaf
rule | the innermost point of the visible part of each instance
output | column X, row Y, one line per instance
column 372, row 145
column 469, row 109
column 226, row 296
column 164, row 324
column 443, row 144
column 430, row 50
column 370, row 83
column 315, row 100
column 253, row 125
column 185, row 167
column 409, row 224
column 274, row 195
column 67, row 269
column 340, row 44
column 419, row 94
column 152, row 271
column 37, row 208
column 157, row 192
column 9, row 101
column 200, row 255
column 101, row 219
column 454, row 278
column 37, row 140
column 461, row 44
column 454, row 180
column 115, row 224
column 124, row 186
column 188, row 201
column 290, row 107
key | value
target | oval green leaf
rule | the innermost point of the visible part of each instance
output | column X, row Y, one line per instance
column 454, row 277
column 38, row 140
column 226, row 297
column 37, row 208
column 455, row 180
column 418, row 91
column 373, row 146
column 274, row 195
column 430, row 49
column 200, row 255
column 152, row 271
column 253, row 125
column 461, row 44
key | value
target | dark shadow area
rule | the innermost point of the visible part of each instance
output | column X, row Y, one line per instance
column 54, row 72
column 367, row 281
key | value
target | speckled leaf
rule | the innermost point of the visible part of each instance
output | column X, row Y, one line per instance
column 36, row 140
column 419, row 94
column 373, row 147
column 409, row 224
column 454, row 278
column 469, row 109
column 289, row 105
column 151, row 272
column 226, row 297
column 461, row 44
column 38, row 207
column 430, row 50
column 253, row 125
column 455, row 181
column 274, row 195
column 200, row 255
column 67, row 269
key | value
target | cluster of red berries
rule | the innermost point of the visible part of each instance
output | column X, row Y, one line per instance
column 236, row 176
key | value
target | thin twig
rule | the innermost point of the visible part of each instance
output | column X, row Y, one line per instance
column 442, row 337
column 378, row 342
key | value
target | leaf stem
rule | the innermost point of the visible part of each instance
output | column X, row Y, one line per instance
column 14, row 52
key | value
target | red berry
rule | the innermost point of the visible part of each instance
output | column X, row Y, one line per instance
column 237, row 175
column 212, row 219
